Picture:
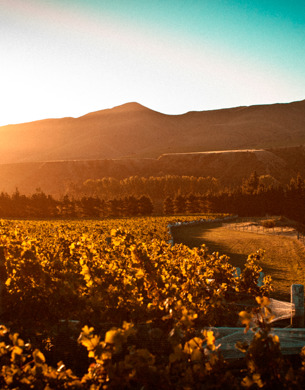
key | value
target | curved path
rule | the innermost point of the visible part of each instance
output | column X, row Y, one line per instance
column 284, row 257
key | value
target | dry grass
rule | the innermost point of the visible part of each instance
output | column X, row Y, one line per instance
column 284, row 257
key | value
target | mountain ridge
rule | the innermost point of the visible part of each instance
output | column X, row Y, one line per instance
column 131, row 139
column 133, row 130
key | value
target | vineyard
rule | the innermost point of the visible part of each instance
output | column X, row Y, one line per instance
column 113, row 304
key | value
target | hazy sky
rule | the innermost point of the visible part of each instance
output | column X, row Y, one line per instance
column 70, row 57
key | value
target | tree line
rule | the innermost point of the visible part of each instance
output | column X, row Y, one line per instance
column 184, row 195
column 251, row 198
column 155, row 187
column 40, row 205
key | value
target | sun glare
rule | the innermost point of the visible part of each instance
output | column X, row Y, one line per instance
column 63, row 60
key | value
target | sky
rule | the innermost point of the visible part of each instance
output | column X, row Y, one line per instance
column 66, row 58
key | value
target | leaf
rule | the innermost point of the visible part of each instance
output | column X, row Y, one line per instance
column 116, row 241
column 242, row 346
column 86, row 331
column 90, row 343
column 247, row 382
column 38, row 357
column 17, row 350
column 263, row 301
column 197, row 355
column 8, row 282
column 139, row 274
column 257, row 379
column 3, row 330
column 210, row 339
column 276, row 339
column 177, row 354
column 195, row 342
column 113, row 336
column 245, row 319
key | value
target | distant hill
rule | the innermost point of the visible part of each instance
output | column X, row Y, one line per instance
column 132, row 130
column 131, row 140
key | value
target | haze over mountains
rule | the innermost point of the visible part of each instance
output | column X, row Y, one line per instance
column 43, row 153
column 132, row 130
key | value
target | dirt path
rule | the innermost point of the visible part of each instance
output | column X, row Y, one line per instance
column 284, row 257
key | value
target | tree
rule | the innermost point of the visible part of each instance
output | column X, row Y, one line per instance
column 250, row 185
column 168, row 206
column 130, row 206
column 179, row 204
column 145, row 205
column 192, row 204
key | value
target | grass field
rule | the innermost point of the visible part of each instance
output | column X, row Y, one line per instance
column 284, row 257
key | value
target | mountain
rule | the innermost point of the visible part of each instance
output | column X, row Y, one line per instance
column 130, row 140
column 132, row 130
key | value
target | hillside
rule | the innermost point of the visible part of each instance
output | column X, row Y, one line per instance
column 229, row 167
column 131, row 140
column 132, row 130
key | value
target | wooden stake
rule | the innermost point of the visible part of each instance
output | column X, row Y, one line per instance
column 297, row 297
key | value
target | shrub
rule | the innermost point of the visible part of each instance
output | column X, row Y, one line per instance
column 269, row 223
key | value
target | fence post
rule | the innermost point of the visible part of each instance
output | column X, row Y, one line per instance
column 297, row 297
column 237, row 272
column 260, row 281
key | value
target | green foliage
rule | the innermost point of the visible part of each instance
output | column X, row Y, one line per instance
column 145, row 356
column 24, row 367
column 251, row 274
column 138, row 303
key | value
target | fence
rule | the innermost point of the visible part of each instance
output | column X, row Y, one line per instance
column 253, row 227
column 292, row 338
column 284, row 310
column 280, row 309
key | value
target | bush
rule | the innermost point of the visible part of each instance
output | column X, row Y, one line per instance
column 269, row 223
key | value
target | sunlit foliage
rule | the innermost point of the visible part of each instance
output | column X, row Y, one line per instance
column 112, row 304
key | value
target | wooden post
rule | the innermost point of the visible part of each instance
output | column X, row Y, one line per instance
column 237, row 272
column 297, row 297
column 260, row 281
